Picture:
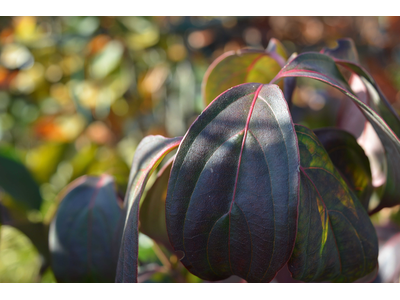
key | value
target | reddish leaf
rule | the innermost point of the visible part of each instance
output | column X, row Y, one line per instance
column 233, row 68
column 335, row 240
column 152, row 210
column 232, row 198
column 323, row 68
column 84, row 235
column 350, row 160
column 148, row 155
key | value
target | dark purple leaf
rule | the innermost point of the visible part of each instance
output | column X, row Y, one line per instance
column 381, row 105
column 350, row 160
column 148, row 155
column 336, row 241
column 323, row 68
column 232, row 198
column 84, row 236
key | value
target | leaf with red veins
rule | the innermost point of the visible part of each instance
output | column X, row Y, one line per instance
column 232, row 198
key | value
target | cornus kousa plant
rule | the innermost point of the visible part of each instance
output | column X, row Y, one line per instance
column 248, row 192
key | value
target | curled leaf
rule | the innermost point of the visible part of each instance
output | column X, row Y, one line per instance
column 232, row 197
column 323, row 68
column 379, row 103
column 152, row 210
column 84, row 235
column 148, row 155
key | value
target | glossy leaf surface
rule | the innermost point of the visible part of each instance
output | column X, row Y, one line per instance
column 234, row 68
column 152, row 210
column 350, row 160
column 84, row 235
column 323, row 68
column 148, row 155
column 336, row 240
column 16, row 180
column 232, row 197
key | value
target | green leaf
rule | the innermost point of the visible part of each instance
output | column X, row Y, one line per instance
column 335, row 240
column 12, row 214
column 85, row 235
column 148, row 155
column 234, row 68
column 16, row 180
column 323, row 68
column 152, row 210
column 350, row 160
column 232, row 198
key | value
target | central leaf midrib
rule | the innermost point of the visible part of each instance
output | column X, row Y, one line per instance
column 246, row 128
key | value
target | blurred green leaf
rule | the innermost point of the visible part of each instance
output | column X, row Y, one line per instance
column 18, row 257
column 16, row 180
column 107, row 60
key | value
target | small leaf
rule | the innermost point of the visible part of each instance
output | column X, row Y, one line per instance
column 152, row 210
column 233, row 68
column 350, row 160
column 148, row 155
column 346, row 50
column 232, row 198
column 16, row 180
column 84, row 236
column 323, row 68
column 335, row 240
column 275, row 46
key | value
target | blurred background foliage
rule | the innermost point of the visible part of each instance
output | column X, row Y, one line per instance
column 77, row 94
